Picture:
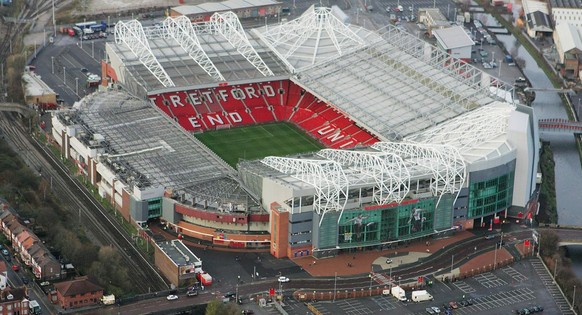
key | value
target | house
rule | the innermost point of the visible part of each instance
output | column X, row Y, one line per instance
column 24, row 240
column 45, row 266
column 568, row 41
column 538, row 21
column 79, row 292
column 455, row 41
column 433, row 19
column 14, row 301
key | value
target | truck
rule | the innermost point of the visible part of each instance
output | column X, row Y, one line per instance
column 398, row 293
column 421, row 295
column 108, row 299
column 205, row 279
column 34, row 307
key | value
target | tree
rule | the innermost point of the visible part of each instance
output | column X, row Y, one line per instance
column 548, row 243
column 219, row 308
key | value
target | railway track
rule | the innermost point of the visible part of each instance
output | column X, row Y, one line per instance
column 76, row 200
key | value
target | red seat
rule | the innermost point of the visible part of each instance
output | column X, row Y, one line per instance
column 312, row 123
column 301, row 114
column 342, row 122
column 352, row 129
column 262, row 114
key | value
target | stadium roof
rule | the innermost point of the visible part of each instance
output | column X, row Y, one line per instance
column 317, row 35
column 145, row 148
column 399, row 86
column 181, row 54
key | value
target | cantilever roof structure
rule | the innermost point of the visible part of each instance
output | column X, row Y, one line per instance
column 317, row 35
column 146, row 148
column 180, row 54
column 400, row 85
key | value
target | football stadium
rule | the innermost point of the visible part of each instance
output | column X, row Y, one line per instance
column 308, row 137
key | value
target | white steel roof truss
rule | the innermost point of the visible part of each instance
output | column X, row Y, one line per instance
column 469, row 130
column 388, row 171
column 327, row 177
column 132, row 35
column 444, row 161
column 228, row 25
column 184, row 34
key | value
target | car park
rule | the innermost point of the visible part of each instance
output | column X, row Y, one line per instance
column 172, row 297
column 283, row 279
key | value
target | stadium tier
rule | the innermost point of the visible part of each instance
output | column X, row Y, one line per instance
column 256, row 103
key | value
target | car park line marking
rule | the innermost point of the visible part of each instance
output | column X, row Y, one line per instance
column 463, row 286
column 548, row 281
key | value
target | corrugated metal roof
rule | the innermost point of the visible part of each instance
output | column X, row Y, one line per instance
column 453, row 37
column 566, row 4
column 569, row 36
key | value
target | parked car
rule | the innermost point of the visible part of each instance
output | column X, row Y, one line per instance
column 24, row 280
column 436, row 310
column 388, row 261
column 229, row 295
column 5, row 252
column 429, row 310
column 486, row 65
column 483, row 53
column 283, row 279
column 172, row 297
column 453, row 305
column 192, row 293
column 15, row 268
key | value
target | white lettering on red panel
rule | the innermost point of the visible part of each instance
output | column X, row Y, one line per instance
column 194, row 122
column 175, row 99
column 235, row 117
column 213, row 119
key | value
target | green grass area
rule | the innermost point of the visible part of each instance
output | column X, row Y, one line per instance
column 255, row 142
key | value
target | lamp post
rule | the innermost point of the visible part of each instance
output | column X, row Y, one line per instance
column 64, row 75
column 52, row 64
column 495, row 259
column 334, row 286
column 555, row 267
column 452, row 261
column 254, row 273
column 77, row 86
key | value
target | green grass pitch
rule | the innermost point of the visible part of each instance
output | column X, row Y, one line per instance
column 255, row 142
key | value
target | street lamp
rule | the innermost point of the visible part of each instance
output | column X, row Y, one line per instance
column 555, row 267
column 64, row 76
column 77, row 86
column 452, row 260
column 334, row 286
column 52, row 64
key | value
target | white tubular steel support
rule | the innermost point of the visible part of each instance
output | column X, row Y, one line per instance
column 444, row 162
column 182, row 31
column 388, row 170
column 312, row 24
column 132, row 35
column 328, row 178
column 228, row 25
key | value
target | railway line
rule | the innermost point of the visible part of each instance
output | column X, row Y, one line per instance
column 77, row 201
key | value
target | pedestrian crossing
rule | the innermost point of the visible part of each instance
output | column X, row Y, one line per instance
column 381, row 278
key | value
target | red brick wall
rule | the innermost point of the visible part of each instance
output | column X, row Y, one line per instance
column 279, row 232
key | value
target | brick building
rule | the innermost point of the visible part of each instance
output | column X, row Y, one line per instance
column 78, row 293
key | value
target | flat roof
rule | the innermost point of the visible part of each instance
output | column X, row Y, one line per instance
column 453, row 37
column 179, row 253
column 35, row 86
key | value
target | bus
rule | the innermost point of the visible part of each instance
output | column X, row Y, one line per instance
column 85, row 24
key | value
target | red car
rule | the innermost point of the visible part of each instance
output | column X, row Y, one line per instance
column 15, row 267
